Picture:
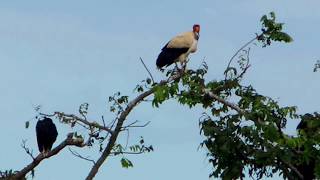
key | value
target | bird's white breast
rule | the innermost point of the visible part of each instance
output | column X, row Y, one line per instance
column 193, row 47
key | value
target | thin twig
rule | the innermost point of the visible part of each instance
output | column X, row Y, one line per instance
column 147, row 69
column 247, row 66
column 136, row 126
column 28, row 151
column 242, row 47
column 127, row 140
column 75, row 153
column 125, row 152
column 104, row 123
column 111, row 125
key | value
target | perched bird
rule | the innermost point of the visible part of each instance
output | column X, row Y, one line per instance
column 46, row 135
column 309, row 127
column 178, row 48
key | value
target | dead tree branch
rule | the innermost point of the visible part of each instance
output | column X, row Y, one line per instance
column 132, row 125
column 84, row 121
column 28, row 151
column 147, row 69
column 75, row 153
column 241, row 48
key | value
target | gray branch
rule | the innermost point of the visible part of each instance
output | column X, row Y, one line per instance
column 123, row 116
column 69, row 141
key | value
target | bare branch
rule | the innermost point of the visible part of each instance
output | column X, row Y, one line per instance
column 127, row 140
column 135, row 126
column 147, row 69
column 28, row 151
column 104, row 123
column 69, row 141
column 75, row 153
column 125, row 152
column 241, row 48
column 84, row 121
column 247, row 66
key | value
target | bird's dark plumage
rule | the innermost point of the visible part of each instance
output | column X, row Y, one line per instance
column 46, row 134
column 309, row 127
column 169, row 55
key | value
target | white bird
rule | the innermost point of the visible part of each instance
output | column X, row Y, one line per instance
column 179, row 48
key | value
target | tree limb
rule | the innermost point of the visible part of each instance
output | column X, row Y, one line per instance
column 69, row 141
column 84, row 121
column 121, row 119
column 288, row 164
column 225, row 102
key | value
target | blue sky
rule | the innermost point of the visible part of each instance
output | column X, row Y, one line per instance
column 59, row 54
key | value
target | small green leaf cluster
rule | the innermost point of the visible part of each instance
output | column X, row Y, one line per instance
column 193, row 85
column 126, row 163
column 272, row 31
column 117, row 102
column 164, row 92
column 139, row 148
column 145, row 84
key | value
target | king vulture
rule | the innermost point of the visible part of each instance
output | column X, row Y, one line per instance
column 46, row 135
column 179, row 47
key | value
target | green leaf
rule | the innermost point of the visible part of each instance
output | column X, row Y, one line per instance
column 27, row 123
column 263, row 18
column 126, row 163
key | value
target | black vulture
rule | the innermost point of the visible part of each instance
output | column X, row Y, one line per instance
column 309, row 128
column 46, row 134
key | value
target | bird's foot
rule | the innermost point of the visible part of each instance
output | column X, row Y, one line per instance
column 44, row 153
column 160, row 69
column 177, row 70
column 184, row 67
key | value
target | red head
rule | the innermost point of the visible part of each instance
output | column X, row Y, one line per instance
column 196, row 28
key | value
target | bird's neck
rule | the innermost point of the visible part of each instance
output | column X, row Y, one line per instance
column 196, row 35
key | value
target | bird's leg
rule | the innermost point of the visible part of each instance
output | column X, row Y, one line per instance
column 176, row 69
column 176, row 65
column 184, row 66
column 44, row 153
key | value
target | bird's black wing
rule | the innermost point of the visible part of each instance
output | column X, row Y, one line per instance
column 46, row 134
column 40, row 135
column 169, row 55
